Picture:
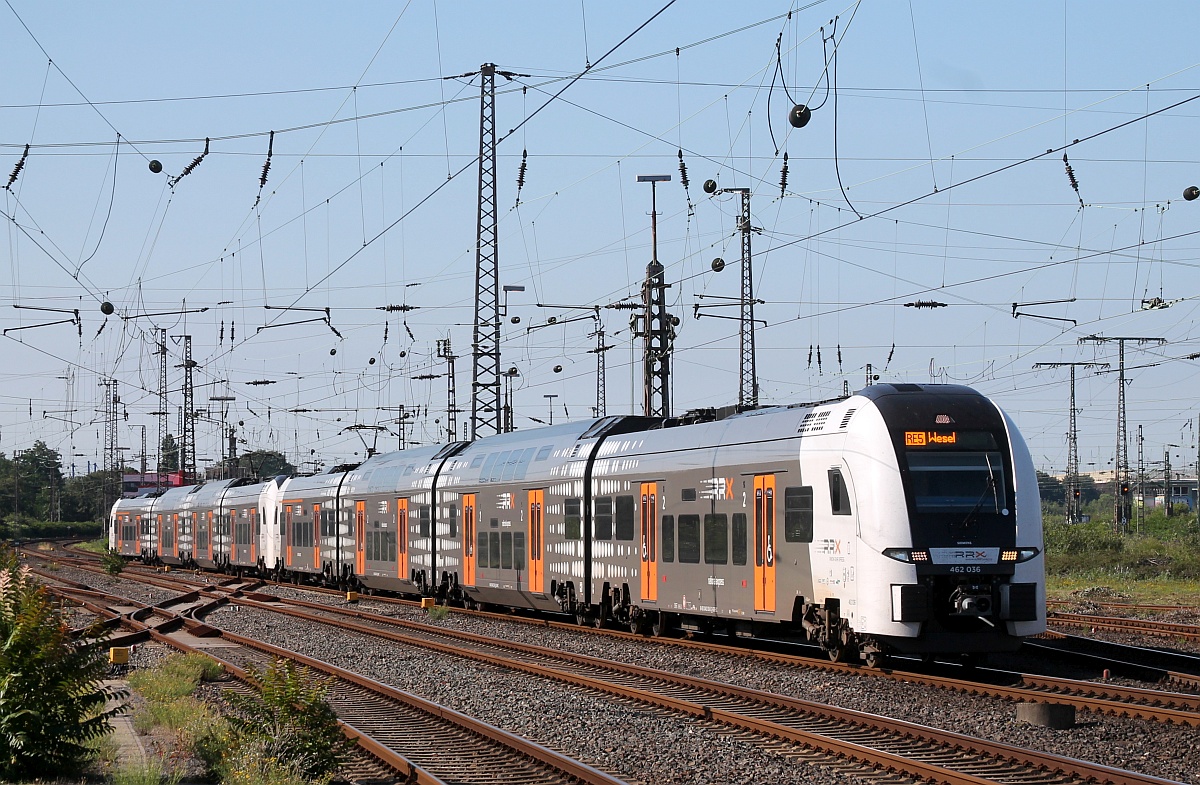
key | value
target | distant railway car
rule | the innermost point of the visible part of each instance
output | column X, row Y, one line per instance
column 904, row 518
column 130, row 526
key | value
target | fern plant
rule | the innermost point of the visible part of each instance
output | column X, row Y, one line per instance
column 51, row 697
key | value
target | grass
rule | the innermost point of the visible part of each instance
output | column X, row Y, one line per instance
column 94, row 546
column 170, row 708
column 149, row 773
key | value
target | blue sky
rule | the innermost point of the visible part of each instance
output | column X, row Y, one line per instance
column 935, row 127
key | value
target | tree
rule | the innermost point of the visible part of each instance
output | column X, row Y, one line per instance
column 265, row 463
column 1050, row 488
column 170, row 455
column 51, row 696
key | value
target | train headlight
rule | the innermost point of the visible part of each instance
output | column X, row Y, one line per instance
column 906, row 555
column 1018, row 554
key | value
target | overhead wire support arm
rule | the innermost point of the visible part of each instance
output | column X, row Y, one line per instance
column 1017, row 312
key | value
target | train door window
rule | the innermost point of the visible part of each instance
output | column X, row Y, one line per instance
column 506, row 549
column 519, row 549
column 494, row 550
column 572, row 519
column 667, row 538
column 424, row 518
column 798, row 514
column 716, row 539
column 481, row 548
column 689, row 539
column 839, row 494
column 604, row 518
column 625, row 517
column 452, row 519
column 739, row 538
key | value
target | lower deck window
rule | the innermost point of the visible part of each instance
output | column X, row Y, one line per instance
column 689, row 539
column 667, row 538
column 716, row 539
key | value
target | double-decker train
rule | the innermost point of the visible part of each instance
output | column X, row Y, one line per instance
column 903, row 518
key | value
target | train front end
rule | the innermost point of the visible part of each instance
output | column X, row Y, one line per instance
column 963, row 572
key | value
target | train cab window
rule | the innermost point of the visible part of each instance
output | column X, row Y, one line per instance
column 494, row 550
column 839, row 494
column 687, row 495
column 424, row 519
column 572, row 519
column 739, row 538
column 506, row 561
column 604, row 518
column 716, row 539
column 798, row 514
column 519, row 550
column 667, row 538
column 452, row 519
column 689, row 539
column 626, row 514
column 481, row 548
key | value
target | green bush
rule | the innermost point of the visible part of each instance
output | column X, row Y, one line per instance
column 112, row 562
column 289, row 726
column 51, row 697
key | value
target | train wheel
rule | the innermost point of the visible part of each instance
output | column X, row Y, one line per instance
column 875, row 659
column 581, row 618
column 838, row 653
column 660, row 625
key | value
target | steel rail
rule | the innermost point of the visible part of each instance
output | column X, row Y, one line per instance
column 900, row 732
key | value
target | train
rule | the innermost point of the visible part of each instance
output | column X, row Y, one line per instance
column 904, row 518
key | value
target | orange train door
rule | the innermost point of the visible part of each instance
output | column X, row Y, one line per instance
column 764, row 543
column 289, row 533
column 468, row 505
column 211, row 535
column 649, row 541
column 402, row 539
column 254, row 535
column 360, row 537
column 537, row 573
column 175, row 534
column 316, row 535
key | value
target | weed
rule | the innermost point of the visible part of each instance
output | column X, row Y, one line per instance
column 438, row 612
column 112, row 562
column 149, row 773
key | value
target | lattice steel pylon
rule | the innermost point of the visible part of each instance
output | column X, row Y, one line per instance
column 601, row 409
column 161, row 351
column 452, row 411
column 187, row 421
column 1073, row 501
column 656, row 329
column 485, row 346
column 1123, row 504
column 748, row 380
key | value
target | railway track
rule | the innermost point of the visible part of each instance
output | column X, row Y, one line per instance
column 1097, row 697
column 1126, row 624
column 915, row 751
column 836, row 732
column 392, row 726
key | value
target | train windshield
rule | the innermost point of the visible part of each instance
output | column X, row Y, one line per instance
column 949, row 482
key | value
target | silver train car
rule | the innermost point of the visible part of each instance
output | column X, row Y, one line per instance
column 904, row 518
